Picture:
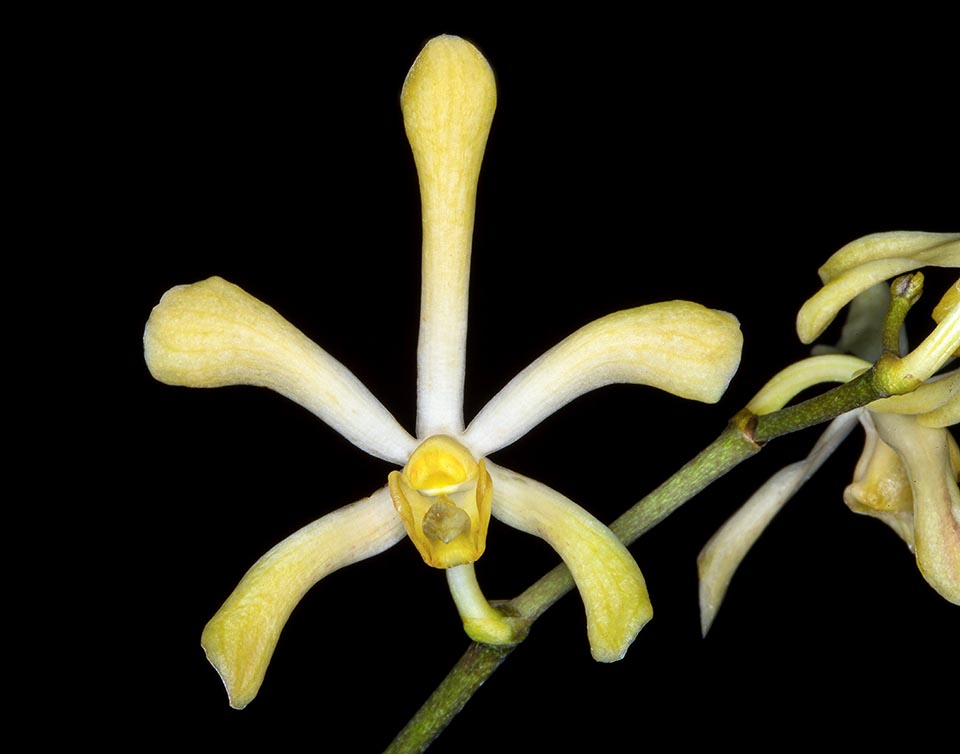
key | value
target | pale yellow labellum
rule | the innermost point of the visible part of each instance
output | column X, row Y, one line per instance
column 880, row 486
column 213, row 334
column 239, row 640
column 448, row 100
column 611, row 585
column 677, row 346
column 443, row 498
column 867, row 261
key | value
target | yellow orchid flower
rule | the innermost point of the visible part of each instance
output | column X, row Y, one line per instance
column 212, row 333
column 907, row 473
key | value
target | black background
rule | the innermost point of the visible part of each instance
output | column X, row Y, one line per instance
column 719, row 159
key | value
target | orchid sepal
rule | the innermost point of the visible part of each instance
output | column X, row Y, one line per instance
column 681, row 347
column 448, row 100
column 869, row 260
column 240, row 638
column 609, row 580
column 214, row 334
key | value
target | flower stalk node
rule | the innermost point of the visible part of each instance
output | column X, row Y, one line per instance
column 745, row 422
column 506, row 630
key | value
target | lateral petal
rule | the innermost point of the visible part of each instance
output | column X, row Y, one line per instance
column 239, row 640
column 213, row 334
column 866, row 262
column 924, row 248
column 790, row 381
column 609, row 580
column 677, row 346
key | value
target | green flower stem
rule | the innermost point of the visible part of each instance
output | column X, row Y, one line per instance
column 861, row 390
column 480, row 660
column 733, row 446
column 743, row 437
column 476, row 665
column 728, row 450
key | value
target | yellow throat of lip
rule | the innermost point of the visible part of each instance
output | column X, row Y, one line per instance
column 443, row 497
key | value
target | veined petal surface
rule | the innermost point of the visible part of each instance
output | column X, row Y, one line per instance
column 239, row 640
column 213, row 334
column 924, row 248
column 677, row 346
column 866, row 262
column 801, row 375
column 448, row 100
column 609, row 580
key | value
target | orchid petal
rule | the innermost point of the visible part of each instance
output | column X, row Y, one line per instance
column 936, row 403
column 926, row 454
column 946, row 415
column 448, row 100
column 213, row 334
column 923, row 247
column 949, row 302
column 935, row 350
column 239, row 640
column 723, row 553
column 802, row 375
column 862, row 333
column 612, row 588
column 677, row 346
column 867, row 261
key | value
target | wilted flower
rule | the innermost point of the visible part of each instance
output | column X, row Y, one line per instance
column 213, row 334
